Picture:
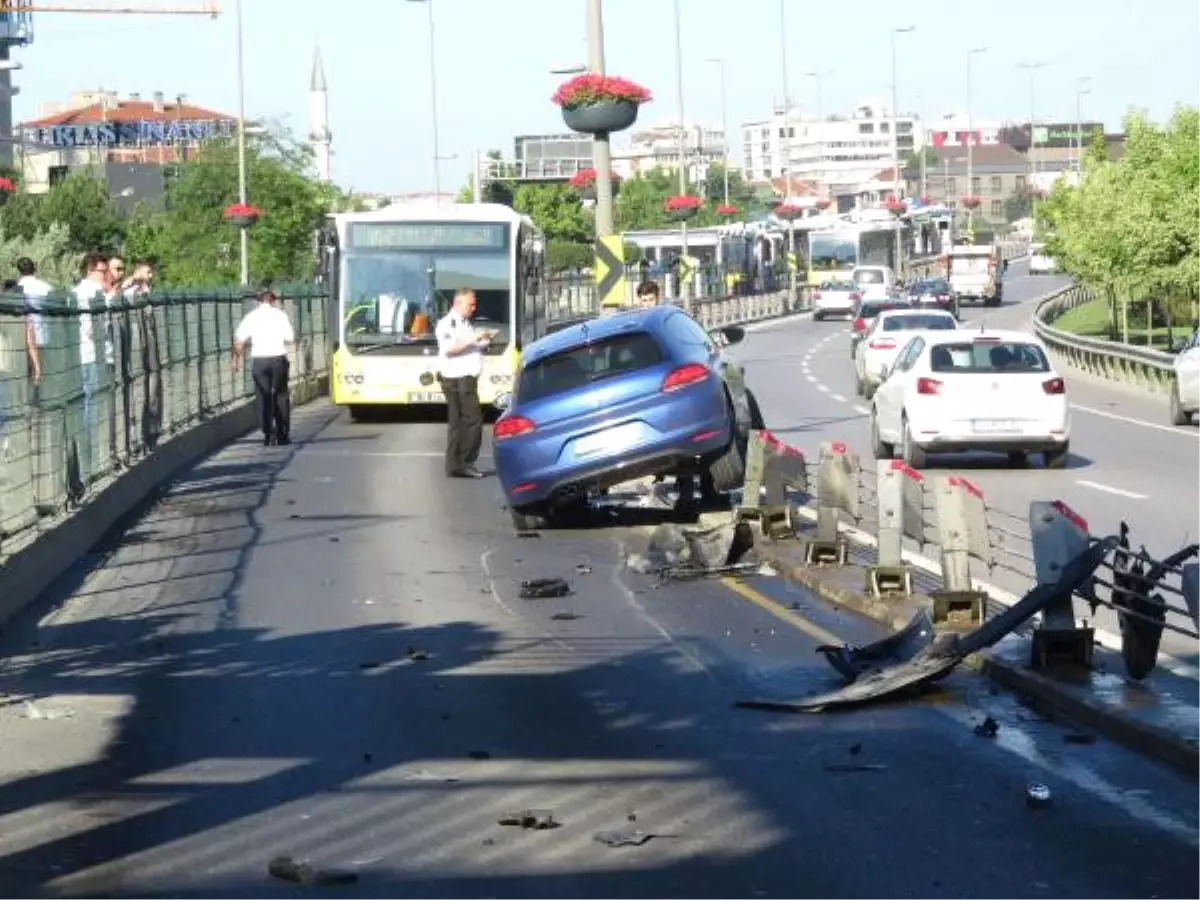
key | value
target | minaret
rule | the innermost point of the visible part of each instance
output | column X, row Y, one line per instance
column 318, row 118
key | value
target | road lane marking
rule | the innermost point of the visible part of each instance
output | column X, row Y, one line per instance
column 765, row 603
column 1129, row 420
column 824, row 389
column 838, row 397
column 811, row 378
column 863, row 410
column 1109, row 489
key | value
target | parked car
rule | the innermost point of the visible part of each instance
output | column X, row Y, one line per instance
column 642, row 392
column 875, row 282
column 835, row 298
column 886, row 337
column 932, row 293
column 1185, row 395
column 957, row 390
column 1039, row 262
column 865, row 315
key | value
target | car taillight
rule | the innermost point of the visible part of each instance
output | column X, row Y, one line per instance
column 817, row 295
column 511, row 426
column 1054, row 386
column 883, row 344
column 945, row 298
column 692, row 373
column 859, row 324
column 855, row 297
column 928, row 386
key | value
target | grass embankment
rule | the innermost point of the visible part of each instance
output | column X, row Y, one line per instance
column 1094, row 318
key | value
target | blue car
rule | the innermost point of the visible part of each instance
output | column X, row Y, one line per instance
column 644, row 392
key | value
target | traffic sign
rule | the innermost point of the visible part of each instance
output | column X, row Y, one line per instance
column 610, row 270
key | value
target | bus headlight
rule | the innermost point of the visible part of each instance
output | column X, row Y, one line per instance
column 501, row 379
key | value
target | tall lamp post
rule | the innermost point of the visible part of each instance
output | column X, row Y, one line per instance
column 433, row 102
column 243, row 233
column 971, row 139
column 1082, row 86
column 787, row 97
column 1032, row 69
column 684, row 287
column 897, row 189
column 720, row 63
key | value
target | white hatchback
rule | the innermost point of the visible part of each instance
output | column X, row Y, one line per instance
column 886, row 337
column 874, row 282
column 835, row 298
column 972, row 390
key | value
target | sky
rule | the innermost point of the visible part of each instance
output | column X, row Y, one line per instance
column 494, row 59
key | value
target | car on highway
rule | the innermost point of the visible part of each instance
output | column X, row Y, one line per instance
column 865, row 315
column 885, row 337
column 932, row 293
column 1039, row 262
column 1185, row 393
column 835, row 298
column 956, row 391
column 874, row 282
column 642, row 392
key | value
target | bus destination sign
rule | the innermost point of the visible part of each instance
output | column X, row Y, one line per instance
column 428, row 236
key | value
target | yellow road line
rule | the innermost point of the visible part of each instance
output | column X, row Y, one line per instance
column 766, row 604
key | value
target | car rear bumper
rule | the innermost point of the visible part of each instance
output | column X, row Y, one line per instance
column 993, row 443
column 835, row 308
column 563, row 483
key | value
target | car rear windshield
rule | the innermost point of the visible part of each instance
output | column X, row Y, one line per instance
column 869, row 276
column 988, row 357
column 582, row 365
column 871, row 310
column 839, row 286
column 938, row 286
column 919, row 323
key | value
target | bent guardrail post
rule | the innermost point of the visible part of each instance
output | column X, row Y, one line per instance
column 962, row 533
column 1058, row 535
column 772, row 465
column 837, row 490
column 901, row 512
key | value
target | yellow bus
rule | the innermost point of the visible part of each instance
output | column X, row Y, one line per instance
column 392, row 273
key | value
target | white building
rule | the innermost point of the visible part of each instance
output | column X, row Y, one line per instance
column 658, row 146
column 837, row 153
column 952, row 129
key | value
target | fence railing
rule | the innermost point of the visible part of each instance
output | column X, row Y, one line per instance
column 114, row 381
column 908, row 529
column 1145, row 367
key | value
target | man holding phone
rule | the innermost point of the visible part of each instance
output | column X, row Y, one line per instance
column 460, row 363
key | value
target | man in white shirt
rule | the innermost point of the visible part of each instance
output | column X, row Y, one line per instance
column 35, row 291
column 460, row 363
column 89, row 294
column 268, row 331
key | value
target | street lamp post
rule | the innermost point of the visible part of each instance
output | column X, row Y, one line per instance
column 1082, row 86
column 924, row 161
column 1032, row 68
column 243, row 233
column 684, row 287
column 787, row 99
column 896, row 186
column 971, row 139
column 601, row 148
column 433, row 102
column 720, row 63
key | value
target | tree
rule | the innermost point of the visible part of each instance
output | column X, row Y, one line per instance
column 50, row 250
column 500, row 189
column 639, row 206
column 910, row 166
column 81, row 203
column 557, row 210
column 1018, row 205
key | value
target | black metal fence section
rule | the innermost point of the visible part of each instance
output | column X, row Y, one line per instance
column 87, row 392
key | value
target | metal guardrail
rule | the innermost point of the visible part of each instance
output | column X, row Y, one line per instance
column 114, row 384
column 1150, row 369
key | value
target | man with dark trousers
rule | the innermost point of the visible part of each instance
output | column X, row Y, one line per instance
column 268, row 331
column 460, row 363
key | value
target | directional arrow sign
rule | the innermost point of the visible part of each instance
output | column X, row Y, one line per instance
column 610, row 270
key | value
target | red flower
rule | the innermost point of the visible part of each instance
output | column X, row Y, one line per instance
column 895, row 207
column 726, row 210
column 788, row 211
column 681, row 202
column 587, row 177
column 924, row 201
column 971, row 202
column 240, row 209
column 824, row 203
column 6, row 185
column 590, row 89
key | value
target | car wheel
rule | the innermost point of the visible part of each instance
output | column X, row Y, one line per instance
column 858, row 385
column 529, row 518
column 728, row 472
column 1179, row 416
column 358, row 413
column 869, row 390
column 1057, row 459
column 757, row 423
column 879, row 449
column 818, row 315
column 914, row 457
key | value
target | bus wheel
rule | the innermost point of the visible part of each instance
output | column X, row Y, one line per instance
column 358, row 413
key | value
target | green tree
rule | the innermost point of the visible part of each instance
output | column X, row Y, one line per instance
column 81, row 203
column 1018, row 205
column 51, row 251
column 501, row 189
column 639, row 206
column 557, row 210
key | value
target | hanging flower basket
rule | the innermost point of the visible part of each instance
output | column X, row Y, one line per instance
column 241, row 215
column 924, row 201
column 788, row 212
column 682, row 207
column 583, row 182
column 600, row 104
column 726, row 210
column 971, row 202
column 824, row 203
column 7, row 189
column 895, row 207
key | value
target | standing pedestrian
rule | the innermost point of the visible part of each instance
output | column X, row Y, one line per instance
column 460, row 363
column 89, row 295
column 137, row 290
column 268, row 331
column 36, row 290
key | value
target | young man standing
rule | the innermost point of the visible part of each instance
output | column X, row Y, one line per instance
column 89, row 295
column 268, row 331
column 460, row 363
column 35, row 291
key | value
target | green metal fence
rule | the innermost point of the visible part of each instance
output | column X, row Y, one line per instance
column 152, row 367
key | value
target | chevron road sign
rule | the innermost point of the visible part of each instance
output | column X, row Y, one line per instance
column 610, row 271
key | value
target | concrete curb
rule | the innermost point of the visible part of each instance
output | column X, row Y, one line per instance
column 1054, row 695
column 31, row 570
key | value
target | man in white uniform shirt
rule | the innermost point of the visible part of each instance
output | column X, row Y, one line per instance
column 89, row 295
column 268, row 331
column 460, row 362
column 35, row 291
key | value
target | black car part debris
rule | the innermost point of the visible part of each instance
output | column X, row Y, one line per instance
column 530, row 819
column 852, row 661
column 541, row 588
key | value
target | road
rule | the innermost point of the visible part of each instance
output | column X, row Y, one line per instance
column 1126, row 461
column 319, row 652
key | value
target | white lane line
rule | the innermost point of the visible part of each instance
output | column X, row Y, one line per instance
column 1109, row 489
column 812, row 379
column 863, row 410
column 1132, row 421
column 823, row 388
column 838, row 397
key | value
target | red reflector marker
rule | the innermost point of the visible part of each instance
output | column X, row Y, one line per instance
column 684, row 376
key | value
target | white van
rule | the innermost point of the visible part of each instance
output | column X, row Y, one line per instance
column 1039, row 263
column 874, row 282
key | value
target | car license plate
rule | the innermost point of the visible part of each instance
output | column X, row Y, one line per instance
column 993, row 426
column 426, row 397
column 606, row 441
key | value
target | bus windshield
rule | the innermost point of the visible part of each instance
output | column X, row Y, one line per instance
column 397, row 296
column 831, row 251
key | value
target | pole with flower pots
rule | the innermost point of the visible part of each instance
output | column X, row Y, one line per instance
column 583, row 183
column 682, row 208
column 971, row 203
column 790, row 213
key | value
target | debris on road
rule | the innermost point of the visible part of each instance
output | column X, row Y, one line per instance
column 528, row 534
column 284, row 868
column 676, row 553
column 1038, row 796
column 856, row 767
column 479, row 754
column 988, row 728
column 566, row 616
column 542, row 588
column 417, row 655
column 583, row 569
column 424, row 775
column 530, row 819
column 628, row 837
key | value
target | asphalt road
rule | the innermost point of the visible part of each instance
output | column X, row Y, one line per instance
column 319, row 652
column 1126, row 462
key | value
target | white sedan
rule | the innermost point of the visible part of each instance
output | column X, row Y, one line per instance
column 883, row 340
column 1185, row 393
column 963, row 390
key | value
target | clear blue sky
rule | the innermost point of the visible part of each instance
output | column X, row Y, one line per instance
column 492, row 87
